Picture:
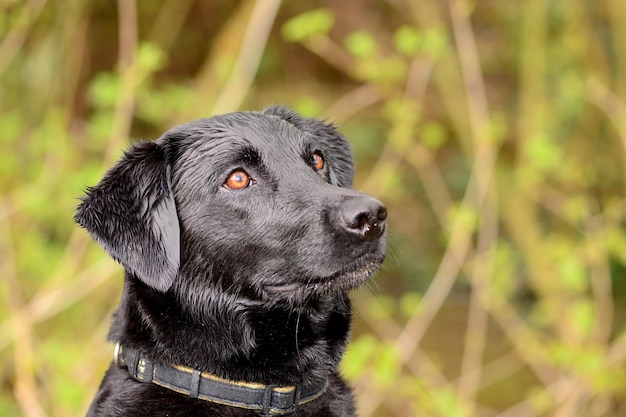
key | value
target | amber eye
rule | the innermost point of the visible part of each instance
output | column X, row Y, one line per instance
column 237, row 180
column 318, row 161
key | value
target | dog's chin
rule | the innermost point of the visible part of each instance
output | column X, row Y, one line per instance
column 345, row 280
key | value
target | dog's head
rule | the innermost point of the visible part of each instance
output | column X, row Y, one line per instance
column 253, row 203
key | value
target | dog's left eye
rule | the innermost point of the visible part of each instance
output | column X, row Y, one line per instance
column 317, row 160
column 238, row 180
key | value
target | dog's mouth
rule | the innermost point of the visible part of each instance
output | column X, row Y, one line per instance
column 347, row 279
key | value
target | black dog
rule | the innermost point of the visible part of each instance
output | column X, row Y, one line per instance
column 240, row 238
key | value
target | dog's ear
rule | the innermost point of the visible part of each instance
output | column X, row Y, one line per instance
column 131, row 213
column 337, row 147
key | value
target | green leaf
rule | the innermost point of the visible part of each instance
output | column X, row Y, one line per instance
column 150, row 58
column 308, row 106
column 408, row 40
column 302, row 27
column 503, row 283
column 583, row 317
column 360, row 44
column 435, row 41
column 446, row 403
column 359, row 355
column 433, row 135
column 385, row 72
column 103, row 90
column 616, row 243
column 573, row 274
column 543, row 152
column 410, row 303
column 463, row 217
column 387, row 369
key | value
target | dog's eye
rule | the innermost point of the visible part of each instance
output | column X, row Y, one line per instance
column 238, row 180
column 318, row 161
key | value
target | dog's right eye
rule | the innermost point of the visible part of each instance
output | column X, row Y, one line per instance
column 318, row 161
column 238, row 180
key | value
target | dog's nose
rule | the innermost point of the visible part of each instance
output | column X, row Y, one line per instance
column 364, row 216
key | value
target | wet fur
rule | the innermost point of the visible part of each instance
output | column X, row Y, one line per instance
column 249, row 285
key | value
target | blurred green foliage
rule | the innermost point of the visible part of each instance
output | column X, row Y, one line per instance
column 495, row 132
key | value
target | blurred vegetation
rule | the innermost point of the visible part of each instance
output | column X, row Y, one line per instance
column 494, row 131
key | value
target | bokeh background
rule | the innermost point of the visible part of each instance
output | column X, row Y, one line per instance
column 494, row 131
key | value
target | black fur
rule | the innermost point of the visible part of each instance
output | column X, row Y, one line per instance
column 250, row 285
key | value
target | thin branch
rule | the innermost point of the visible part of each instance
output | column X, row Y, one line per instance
column 476, row 334
column 16, row 37
column 392, row 155
column 46, row 304
column 26, row 389
column 496, row 370
column 431, row 178
column 418, row 363
column 600, row 277
column 330, row 52
column 610, row 104
column 525, row 340
column 167, row 25
column 255, row 39
column 19, row 327
column 353, row 102
column 125, row 105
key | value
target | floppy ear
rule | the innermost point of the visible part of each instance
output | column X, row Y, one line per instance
column 339, row 152
column 131, row 213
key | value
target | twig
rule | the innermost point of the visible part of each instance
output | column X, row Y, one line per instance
column 125, row 105
column 255, row 39
column 419, row 156
column 418, row 363
column 496, row 370
column 20, row 328
column 353, row 102
column 600, row 277
column 484, row 160
column 168, row 22
column 329, row 51
column 16, row 37
column 431, row 178
column 524, row 339
column 610, row 104
column 26, row 390
column 392, row 154
column 47, row 304
column 617, row 351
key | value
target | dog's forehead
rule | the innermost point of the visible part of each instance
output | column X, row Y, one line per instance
column 231, row 133
column 270, row 132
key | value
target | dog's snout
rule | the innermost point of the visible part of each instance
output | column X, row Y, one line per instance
column 363, row 216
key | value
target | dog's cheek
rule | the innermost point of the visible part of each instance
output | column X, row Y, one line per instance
column 228, row 253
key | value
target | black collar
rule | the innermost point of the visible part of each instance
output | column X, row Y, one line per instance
column 270, row 400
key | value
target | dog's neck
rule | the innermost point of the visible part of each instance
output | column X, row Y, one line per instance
column 238, row 341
